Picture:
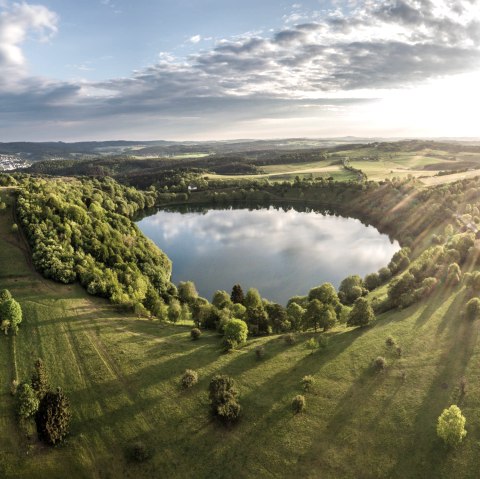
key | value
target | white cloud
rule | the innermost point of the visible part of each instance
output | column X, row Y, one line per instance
column 17, row 21
column 195, row 39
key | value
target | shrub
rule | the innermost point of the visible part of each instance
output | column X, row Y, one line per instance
column 189, row 378
column 53, row 417
column 235, row 333
column 5, row 295
column 390, row 342
column 139, row 452
column 308, row 382
column 223, row 399
column 463, row 386
column 312, row 344
column 372, row 281
column 361, row 314
column 399, row 351
column 289, row 339
column 27, row 401
column 472, row 309
column 451, row 426
column 323, row 342
column 259, row 352
column 40, row 379
column 298, row 404
column 380, row 363
column 195, row 334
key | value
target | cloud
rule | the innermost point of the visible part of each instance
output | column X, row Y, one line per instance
column 328, row 61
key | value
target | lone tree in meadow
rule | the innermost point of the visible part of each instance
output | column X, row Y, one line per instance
column 237, row 295
column 223, row 399
column 451, row 426
column 40, row 379
column 53, row 417
column 361, row 314
column 11, row 311
column 235, row 333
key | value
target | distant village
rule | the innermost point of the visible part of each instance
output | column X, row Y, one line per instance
column 12, row 162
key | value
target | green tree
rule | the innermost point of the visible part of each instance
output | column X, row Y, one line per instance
column 223, row 399
column 361, row 313
column 5, row 295
column 40, row 379
column 313, row 314
column 174, row 310
column 328, row 317
column 372, row 281
column 451, row 426
column 53, row 417
column 295, row 315
column 351, row 288
column 27, row 401
column 237, row 295
column 187, row 292
column 221, row 299
column 235, row 333
column 325, row 293
column 253, row 299
column 277, row 317
column 10, row 310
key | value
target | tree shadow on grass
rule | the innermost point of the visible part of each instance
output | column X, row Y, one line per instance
column 425, row 454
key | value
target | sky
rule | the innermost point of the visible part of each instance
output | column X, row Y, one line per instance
column 223, row 69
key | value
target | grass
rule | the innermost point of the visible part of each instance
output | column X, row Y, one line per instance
column 122, row 376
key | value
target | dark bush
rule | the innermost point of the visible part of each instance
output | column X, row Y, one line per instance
column 139, row 452
column 472, row 309
column 299, row 404
column 53, row 417
column 189, row 378
column 289, row 339
column 380, row 364
column 223, row 399
column 195, row 334
column 259, row 352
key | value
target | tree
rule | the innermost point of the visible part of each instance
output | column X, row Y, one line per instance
column 451, row 426
column 473, row 308
column 4, row 295
column 237, row 295
column 277, row 316
column 27, row 401
column 312, row 316
column 187, row 292
column 10, row 310
column 223, row 399
column 351, row 288
column 174, row 310
column 325, row 293
column 221, row 299
column 257, row 320
column 40, row 379
column 295, row 315
column 253, row 299
column 235, row 333
column 53, row 417
column 361, row 313
column 372, row 281
column 328, row 317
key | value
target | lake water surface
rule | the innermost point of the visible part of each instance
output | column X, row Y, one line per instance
column 281, row 253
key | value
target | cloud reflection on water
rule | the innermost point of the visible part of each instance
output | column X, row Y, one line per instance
column 280, row 253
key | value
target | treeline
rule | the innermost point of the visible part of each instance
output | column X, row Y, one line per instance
column 81, row 230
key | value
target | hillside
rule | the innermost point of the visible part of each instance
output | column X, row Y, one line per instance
column 122, row 375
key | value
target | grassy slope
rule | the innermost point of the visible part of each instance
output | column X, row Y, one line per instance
column 121, row 374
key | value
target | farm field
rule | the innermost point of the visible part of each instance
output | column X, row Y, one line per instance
column 122, row 376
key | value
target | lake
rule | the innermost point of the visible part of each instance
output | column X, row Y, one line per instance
column 281, row 253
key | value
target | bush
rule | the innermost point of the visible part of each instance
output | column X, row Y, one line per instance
column 298, row 404
column 195, row 334
column 451, row 426
column 27, row 401
column 289, row 339
column 323, row 342
column 380, row 363
column 189, row 378
column 390, row 342
column 308, row 382
column 235, row 333
column 259, row 352
column 361, row 314
column 223, row 399
column 53, row 417
column 139, row 452
column 312, row 344
column 472, row 309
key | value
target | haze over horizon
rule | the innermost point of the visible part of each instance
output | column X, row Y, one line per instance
column 211, row 70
